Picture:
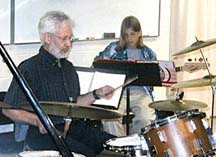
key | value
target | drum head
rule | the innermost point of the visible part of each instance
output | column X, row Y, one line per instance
column 46, row 153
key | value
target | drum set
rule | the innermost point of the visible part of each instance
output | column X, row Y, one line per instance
column 184, row 134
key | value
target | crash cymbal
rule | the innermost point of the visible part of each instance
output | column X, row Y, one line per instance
column 74, row 110
column 205, row 81
column 195, row 46
column 4, row 105
column 177, row 105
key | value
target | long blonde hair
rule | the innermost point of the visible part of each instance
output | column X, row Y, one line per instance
column 130, row 22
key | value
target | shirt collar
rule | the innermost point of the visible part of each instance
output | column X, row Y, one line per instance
column 49, row 57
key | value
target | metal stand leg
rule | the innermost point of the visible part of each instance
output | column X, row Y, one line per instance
column 212, row 112
column 128, row 112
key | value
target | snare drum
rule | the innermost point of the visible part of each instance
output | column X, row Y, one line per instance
column 46, row 153
column 182, row 135
column 132, row 145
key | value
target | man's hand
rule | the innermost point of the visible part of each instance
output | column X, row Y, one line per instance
column 105, row 92
column 24, row 117
column 40, row 125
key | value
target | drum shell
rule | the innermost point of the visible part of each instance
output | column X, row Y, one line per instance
column 182, row 135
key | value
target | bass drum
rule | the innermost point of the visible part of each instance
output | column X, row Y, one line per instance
column 182, row 135
column 132, row 145
column 46, row 153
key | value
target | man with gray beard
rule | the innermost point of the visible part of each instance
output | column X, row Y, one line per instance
column 53, row 78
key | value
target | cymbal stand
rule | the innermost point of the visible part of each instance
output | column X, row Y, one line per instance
column 68, row 121
column 213, row 86
column 128, row 111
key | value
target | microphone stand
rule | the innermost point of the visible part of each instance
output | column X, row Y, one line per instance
column 213, row 86
column 59, row 141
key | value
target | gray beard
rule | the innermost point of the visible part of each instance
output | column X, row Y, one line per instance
column 56, row 52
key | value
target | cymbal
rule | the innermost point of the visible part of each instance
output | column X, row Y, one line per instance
column 205, row 81
column 197, row 45
column 4, row 105
column 177, row 105
column 74, row 110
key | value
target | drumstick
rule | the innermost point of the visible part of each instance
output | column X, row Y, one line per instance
column 130, row 80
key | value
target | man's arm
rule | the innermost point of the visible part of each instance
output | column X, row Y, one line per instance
column 89, row 98
column 24, row 117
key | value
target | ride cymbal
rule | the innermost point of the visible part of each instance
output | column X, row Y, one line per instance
column 177, row 105
column 5, row 105
column 205, row 81
column 195, row 46
column 74, row 110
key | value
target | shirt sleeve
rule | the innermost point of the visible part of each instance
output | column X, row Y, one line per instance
column 108, row 52
column 149, row 54
column 15, row 95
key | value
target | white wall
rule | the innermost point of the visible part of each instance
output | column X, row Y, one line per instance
column 83, row 52
column 91, row 15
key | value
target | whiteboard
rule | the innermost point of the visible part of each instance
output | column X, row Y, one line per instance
column 92, row 18
column 5, row 21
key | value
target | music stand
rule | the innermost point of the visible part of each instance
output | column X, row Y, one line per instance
column 148, row 75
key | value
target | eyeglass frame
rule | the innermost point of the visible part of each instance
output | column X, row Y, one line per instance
column 64, row 39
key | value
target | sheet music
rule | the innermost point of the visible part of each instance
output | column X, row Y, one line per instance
column 94, row 80
column 85, row 79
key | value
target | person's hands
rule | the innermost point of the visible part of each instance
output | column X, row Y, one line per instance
column 39, row 125
column 105, row 92
column 24, row 116
column 89, row 98
column 41, row 128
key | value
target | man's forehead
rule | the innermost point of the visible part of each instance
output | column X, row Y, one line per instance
column 64, row 30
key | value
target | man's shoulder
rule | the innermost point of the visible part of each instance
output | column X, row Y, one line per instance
column 29, row 62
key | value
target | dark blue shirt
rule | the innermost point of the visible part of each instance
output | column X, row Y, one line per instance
column 47, row 80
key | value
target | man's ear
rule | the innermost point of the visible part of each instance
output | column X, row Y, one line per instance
column 47, row 38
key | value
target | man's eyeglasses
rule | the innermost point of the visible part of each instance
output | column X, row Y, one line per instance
column 64, row 39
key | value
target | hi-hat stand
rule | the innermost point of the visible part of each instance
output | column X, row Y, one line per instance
column 58, row 139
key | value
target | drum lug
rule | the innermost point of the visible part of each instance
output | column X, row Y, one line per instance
column 166, row 153
column 161, row 137
column 191, row 126
column 205, row 123
column 153, row 150
column 199, row 144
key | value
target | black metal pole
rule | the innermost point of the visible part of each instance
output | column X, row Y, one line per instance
column 59, row 141
column 212, row 109
column 128, row 111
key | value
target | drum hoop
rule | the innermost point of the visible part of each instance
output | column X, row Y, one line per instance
column 188, row 114
column 37, row 152
column 123, row 148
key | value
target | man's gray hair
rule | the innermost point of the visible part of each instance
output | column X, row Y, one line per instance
column 50, row 20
